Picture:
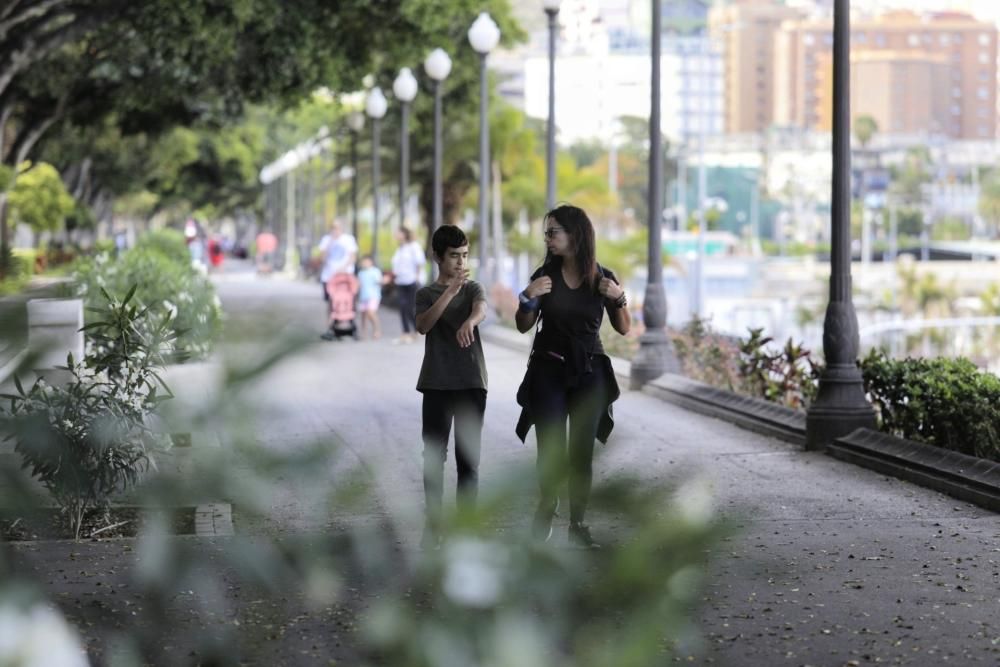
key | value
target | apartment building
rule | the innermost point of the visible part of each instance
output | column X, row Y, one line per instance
column 915, row 74
column 746, row 32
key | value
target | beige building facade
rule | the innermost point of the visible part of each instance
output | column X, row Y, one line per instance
column 915, row 74
column 746, row 31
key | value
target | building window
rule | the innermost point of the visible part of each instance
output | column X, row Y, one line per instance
column 956, row 92
column 879, row 39
column 984, row 39
column 944, row 39
column 956, row 110
column 808, row 39
column 983, row 93
column 913, row 39
column 860, row 37
column 984, row 58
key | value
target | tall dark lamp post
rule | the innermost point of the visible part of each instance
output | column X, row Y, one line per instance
column 438, row 66
column 840, row 405
column 654, row 357
column 356, row 123
column 405, row 89
column 484, row 35
column 375, row 106
column 552, row 10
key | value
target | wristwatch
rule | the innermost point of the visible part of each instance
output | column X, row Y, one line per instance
column 523, row 298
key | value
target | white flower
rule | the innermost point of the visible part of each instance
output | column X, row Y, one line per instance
column 695, row 501
column 171, row 308
column 474, row 572
column 38, row 637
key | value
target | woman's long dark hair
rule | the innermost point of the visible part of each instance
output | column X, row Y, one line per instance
column 581, row 233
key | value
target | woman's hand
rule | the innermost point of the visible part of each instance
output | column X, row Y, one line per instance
column 609, row 289
column 538, row 287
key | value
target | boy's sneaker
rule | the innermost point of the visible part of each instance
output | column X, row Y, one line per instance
column 327, row 335
column 579, row 535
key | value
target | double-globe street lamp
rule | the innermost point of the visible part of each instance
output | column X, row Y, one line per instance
column 484, row 35
column 375, row 106
column 552, row 10
column 405, row 89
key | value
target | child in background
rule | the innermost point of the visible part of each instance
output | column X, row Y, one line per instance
column 370, row 279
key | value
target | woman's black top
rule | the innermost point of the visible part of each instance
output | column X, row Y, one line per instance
column 569, row 330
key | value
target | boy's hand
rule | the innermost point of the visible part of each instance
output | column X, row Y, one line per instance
column 609, row 289
column 456, row 282
column 538, row 287
column 466, row 335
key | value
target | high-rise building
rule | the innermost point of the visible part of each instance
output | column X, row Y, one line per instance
column 746, row 30
column 915, row 74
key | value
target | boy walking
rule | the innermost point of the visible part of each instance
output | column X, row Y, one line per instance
column 453, row 375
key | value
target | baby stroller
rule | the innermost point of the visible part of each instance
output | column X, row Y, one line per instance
column 342, row 289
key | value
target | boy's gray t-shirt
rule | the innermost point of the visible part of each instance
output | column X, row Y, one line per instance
column 446, row 365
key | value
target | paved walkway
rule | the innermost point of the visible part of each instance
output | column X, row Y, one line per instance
column 831, row 565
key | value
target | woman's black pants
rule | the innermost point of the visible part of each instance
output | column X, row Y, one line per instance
column 553, row 403
column 408, row 306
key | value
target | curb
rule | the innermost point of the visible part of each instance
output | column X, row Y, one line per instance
column 753, row 414
column 968, row 478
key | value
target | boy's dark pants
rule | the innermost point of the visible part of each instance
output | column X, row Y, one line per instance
column 466, row 408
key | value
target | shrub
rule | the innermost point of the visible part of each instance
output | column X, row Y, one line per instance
column 168, row 242
column 707, row 356
column 87, row 439
column 946, row 402
column 164, row 286
column 788, row 376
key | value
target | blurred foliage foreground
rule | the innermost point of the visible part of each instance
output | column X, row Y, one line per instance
column 488, row 596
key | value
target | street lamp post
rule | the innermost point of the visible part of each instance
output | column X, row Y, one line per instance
column 484, row 36
column 375, row 106
column 840, row 405
column 552, row 10
column 405, row 89
column 438, row 66
column 654, row 357
column 356, row 123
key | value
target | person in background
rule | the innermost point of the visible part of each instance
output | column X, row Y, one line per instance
column 339, row 251
column 370, row 297
column 407, row 263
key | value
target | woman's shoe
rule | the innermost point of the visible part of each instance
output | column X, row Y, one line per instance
column 541, row 526
column 579, row 535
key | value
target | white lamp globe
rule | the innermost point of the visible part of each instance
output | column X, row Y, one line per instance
column 376, row 104
column 484, row 34
column 551, row 5
column 437, row 65
column 356, row 121
column 405, row 86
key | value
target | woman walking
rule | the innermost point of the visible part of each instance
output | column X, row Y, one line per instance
column 569, row 377
column 407, row 262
